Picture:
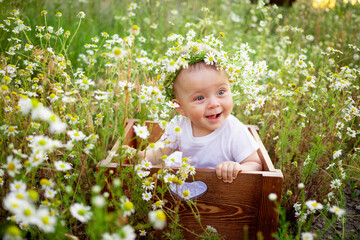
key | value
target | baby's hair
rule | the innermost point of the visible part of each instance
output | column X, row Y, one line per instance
column 196, row 67
column 193, row 68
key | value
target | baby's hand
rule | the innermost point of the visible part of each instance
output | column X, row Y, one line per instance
column 228, row 171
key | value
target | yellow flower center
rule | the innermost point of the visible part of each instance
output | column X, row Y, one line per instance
column 45, row 182
column 4, row 87
column 117, row 51
column 186, row 193
column 128, row 206
column 13, row 231
column 53, row 118
column 81, row 212
column 11, row 166
column 45, row 220
column 27, row 212
column 135, row 27
column 160, row 215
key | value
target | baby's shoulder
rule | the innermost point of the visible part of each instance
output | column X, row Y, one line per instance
column 232, row 122
column 234, row 127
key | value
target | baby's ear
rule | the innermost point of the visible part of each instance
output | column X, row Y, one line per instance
column 178, row 108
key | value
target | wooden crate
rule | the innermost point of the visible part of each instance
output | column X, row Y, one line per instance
column 239, row 210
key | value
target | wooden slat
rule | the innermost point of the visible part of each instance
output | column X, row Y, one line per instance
column 268, row 217
column 263, row 154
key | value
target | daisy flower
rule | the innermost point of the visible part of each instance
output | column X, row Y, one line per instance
column 141, row 131
column 146, row 196
column 25, row 105
column 158, row 219
column 50, row 193
column 11, row 131
column 335, row 183
column 337, row 154
column 153, row 26
column 81, row 14
column 68, row 99
column 128, row 207
column 338, row 211
column 301, row 64
column 12, row 203
column 62, row 166
column 143, row 174
column 81, row 212
column 287, row 62
column 76, row 135
column 168, row 177
column 12, row 165
column 127, row 233
column 142, row 232
column 56, row 125
column 307, row 236
column 108, row 236
column 45, row 221
column 313, row 205
column 174, row 11
column 157, row 204
column 43, row 144
column 17, row 185
column 172, row 105
column 210, row 58
column 13, row 232
column 310, row 37
column 36, row 159
column 27, row 213
column 148, row 185
column 211, row 229
column 135, row 30
column 98, row 201
column 272, row 196
column 301, row 185
column 146, row 164
column 46, row 183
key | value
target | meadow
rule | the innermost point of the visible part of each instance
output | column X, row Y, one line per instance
column 72, row 73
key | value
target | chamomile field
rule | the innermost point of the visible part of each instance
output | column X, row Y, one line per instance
column 73, row 72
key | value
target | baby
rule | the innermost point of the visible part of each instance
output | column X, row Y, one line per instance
column 210, row 136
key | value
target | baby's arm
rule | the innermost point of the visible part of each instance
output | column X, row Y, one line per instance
column 228, row 171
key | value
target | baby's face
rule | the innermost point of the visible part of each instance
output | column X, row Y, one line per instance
column 204, row 95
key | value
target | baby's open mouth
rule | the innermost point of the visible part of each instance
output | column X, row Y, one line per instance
column 214, row 116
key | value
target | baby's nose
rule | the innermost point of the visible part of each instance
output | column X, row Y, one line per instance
column 213, row 103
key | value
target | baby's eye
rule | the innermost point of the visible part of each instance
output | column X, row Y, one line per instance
column 199, row 98
column 221, row 92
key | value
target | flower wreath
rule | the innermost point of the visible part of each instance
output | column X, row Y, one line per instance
column 241, row 71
